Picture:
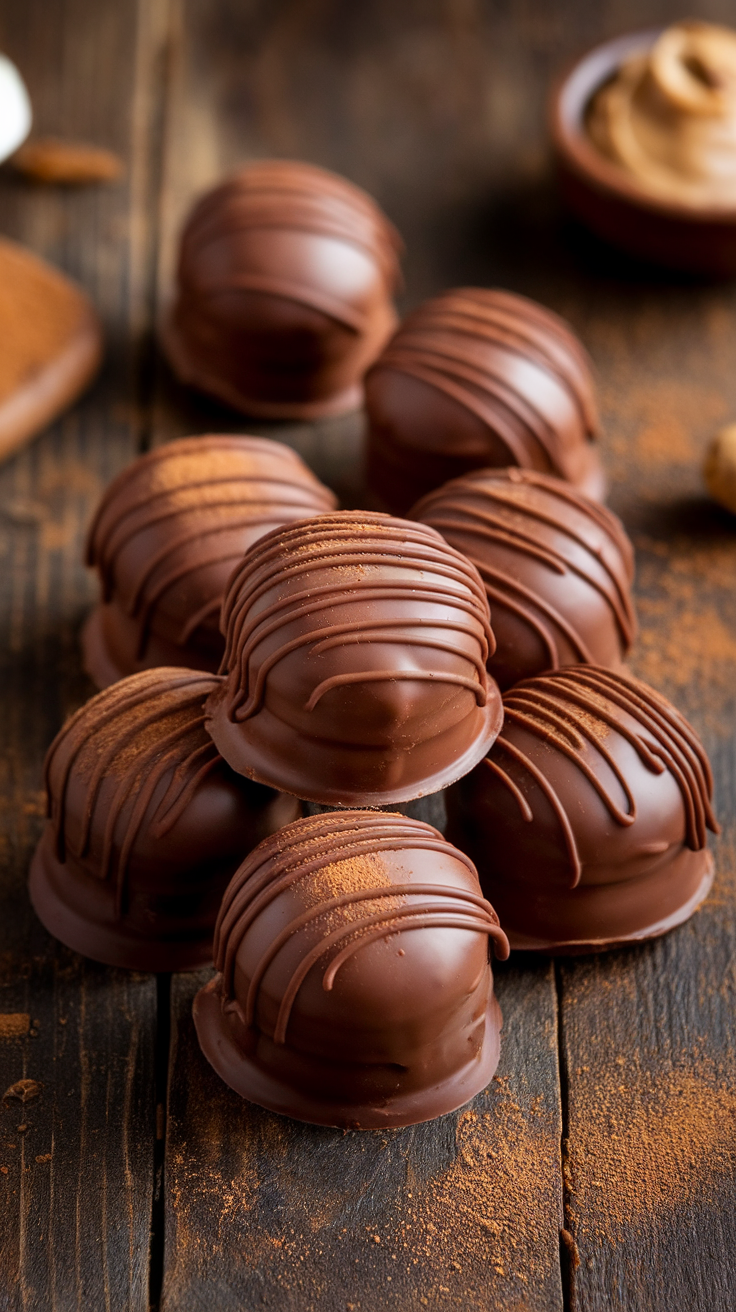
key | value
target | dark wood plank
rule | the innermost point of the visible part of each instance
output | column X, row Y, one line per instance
column 266, row 1212
column 76, row 1158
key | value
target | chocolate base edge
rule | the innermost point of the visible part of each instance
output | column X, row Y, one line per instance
column 192, row 375
column 254, row 1084
column 242, row 757
column 96, row 659
column 111, row 946
column 579, row 947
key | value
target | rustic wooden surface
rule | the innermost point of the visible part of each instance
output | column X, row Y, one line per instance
column 598, row 1171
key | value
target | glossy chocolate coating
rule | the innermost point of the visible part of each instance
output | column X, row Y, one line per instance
column 356, row 662
column 588, row 819
column 146, row 825
column 477, row 378
column 354, row 985
column 557, row 568
column 285, row 284
column 166, row 537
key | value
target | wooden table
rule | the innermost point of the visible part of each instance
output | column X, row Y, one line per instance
column 597, row 1171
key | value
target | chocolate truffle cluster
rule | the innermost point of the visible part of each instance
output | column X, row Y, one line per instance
column 262, row 652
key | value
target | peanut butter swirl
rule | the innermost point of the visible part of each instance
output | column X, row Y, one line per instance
column 668, row 117
column 311, row 570
column 337, row 845
column 142, row 736
column 575, row 711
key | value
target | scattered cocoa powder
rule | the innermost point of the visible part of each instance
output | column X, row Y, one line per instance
column 646, row 1147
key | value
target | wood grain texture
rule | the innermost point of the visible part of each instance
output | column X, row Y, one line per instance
column 465, row 1211
column 76, row 1183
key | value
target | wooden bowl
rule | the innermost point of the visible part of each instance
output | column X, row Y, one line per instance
column 610, row 202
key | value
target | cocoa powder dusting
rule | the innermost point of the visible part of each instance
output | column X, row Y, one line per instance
column 644, row 1145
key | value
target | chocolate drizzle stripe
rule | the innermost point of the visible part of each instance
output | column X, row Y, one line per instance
column 279, row 560
column 586, row 703
column 391, row 676
column 505, row 534
column 349, row 899
column 198, row 617
column 421, row 918
column 502, row 425
column 312, row 844
column 271, row 618
column 249, row 493
column 535, row 602
column 552, row 797
column 332, row 828
column 486, row 382
column 119, row 705
column 676, row 744
column 528, row 329
column 498, row 530
column 524, row 807
column 183, row 695
column 549, row 707
column 325, row 596
column 333, row 544
column 528, row 721
column 251, row 513
column 121, row 742
column 349, row 316
column 190, row 451
column 256, row 890
column 339, row 635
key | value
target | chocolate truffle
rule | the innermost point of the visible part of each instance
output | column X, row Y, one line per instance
column 354, row 985
column 477, row 378
column 356, row 662
column 557, row 568
column 285, row 280
column 166, row 537
column 588, row 819
column 147, row 824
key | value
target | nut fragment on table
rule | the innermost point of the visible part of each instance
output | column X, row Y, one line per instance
column 719, row 469
column 66, row 163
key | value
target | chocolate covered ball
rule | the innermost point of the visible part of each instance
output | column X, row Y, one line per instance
column 354, row 986
column 166, row 537
column 356, row 662
column 476, row 378
column 557, row 568
column 146, row 825
column 587, row 820
column 284, row 292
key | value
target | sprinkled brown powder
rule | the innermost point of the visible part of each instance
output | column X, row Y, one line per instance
column 649, row 1143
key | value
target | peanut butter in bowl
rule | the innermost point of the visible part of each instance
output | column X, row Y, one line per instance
column 667, row 117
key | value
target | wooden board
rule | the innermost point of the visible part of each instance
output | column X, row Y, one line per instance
column 76, row 1158
column 437, row 109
